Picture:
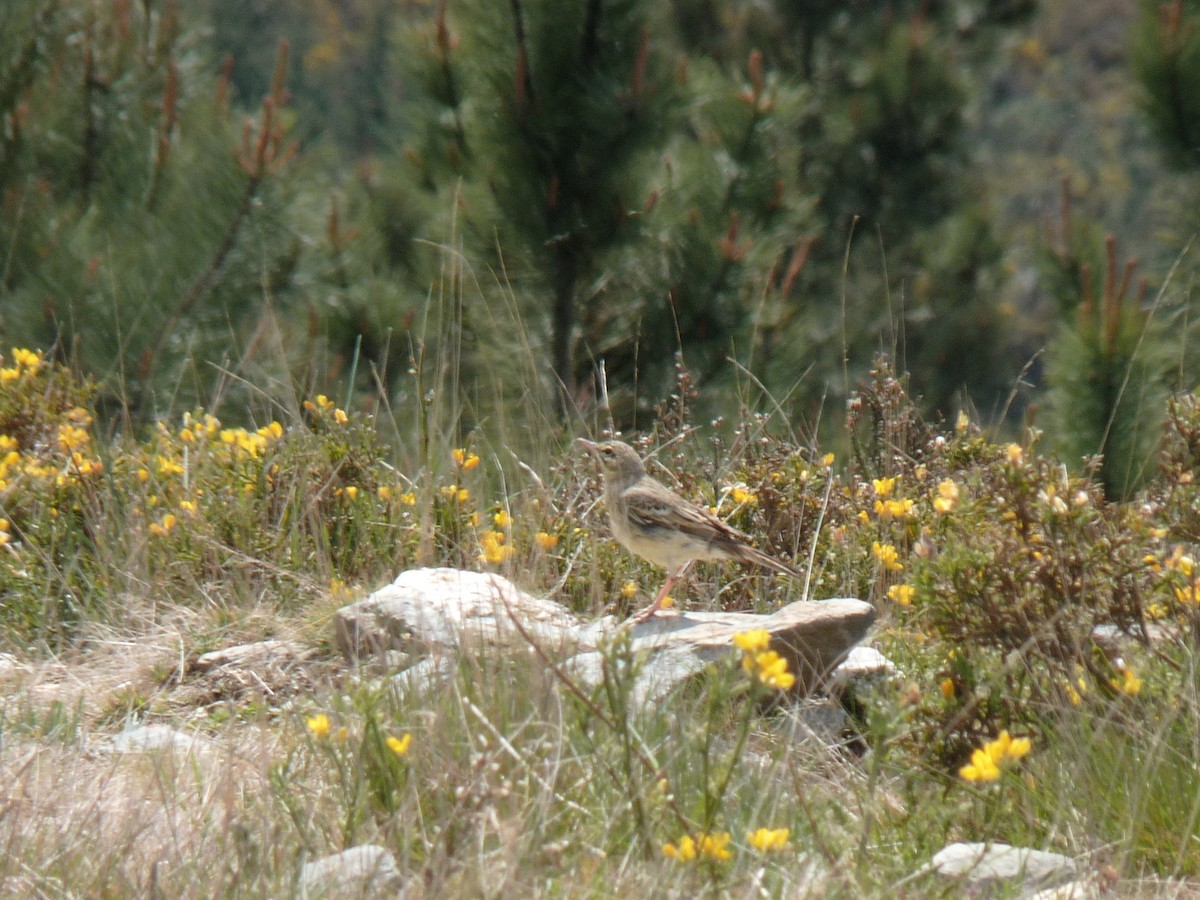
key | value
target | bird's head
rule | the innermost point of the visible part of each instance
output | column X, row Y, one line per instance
column 620, row 462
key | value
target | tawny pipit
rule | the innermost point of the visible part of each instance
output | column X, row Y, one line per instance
column 655, row 523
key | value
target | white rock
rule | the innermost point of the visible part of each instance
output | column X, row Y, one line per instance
column 1072, row 890
column 258, row 653
column 157, row 737
column 986, row 865
column 814, row 637
column 360, row 871
column 431, row 613
column 863, row 662
column 430, row 609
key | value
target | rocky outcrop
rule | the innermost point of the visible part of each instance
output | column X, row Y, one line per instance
column 427, row 612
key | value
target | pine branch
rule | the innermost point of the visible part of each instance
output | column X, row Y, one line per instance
column 591, row 33
column 91, row 131
column 524, row 80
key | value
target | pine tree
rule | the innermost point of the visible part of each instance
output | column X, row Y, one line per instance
column 141, row 220
column 1107, row 368
column 902, row 254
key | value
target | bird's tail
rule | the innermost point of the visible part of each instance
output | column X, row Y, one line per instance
column 758, row 558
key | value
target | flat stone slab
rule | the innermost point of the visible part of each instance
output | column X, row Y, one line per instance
column 426, row 610
column 987, row 866
column 258, row 653
column 814, row 637
column 367, row 870
column 147, row 738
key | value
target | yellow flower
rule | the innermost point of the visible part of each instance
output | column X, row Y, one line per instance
column 901, row 594
column 947, row 497
column 319, row 725
column 893, row 509
column 27, row 358
column 963, row 422
column 546, row 541
column 1016, row 455
column 1181, row 561
column 143, row 475
column 384, row 492
column 883, row 486
column 768, row 839
column 715, row 846
column 323, row 402
column 752, row 641
column 72, row 438
column 164, row 525
column 188, row 506
column 827, row 460
column 1189, row 593
column 494, row 549
column 274, row 431
column 455, row 493
column 399, row 745
column 886, row 554
column 629, row 590
column 339, row 416
column 351, row 492
column 986, row 762
column 1129, row 683
column 981, row 768
column 947, row 688
column 408, row 498
column 465, row 458
column 773, row 670
column 1008, row 748
column 741, row 496
column 684, row 851
column 502, row 519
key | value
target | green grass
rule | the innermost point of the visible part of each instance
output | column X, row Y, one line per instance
column 126, row 562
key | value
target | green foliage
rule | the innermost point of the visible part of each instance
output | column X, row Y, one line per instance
column 1166, row 59
column 1107, row 372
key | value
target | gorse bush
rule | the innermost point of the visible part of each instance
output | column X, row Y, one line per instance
column 1043, row 635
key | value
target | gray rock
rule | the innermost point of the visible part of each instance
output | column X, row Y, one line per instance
column 257, row 654
column 425, row 610
column 1072, row 890
column 814, row 637
column 660, row 669
column 819, row 720
column 157, row 737
column 430, row 613
column 365, row 870
column 988, row 866
column 863, row 663
column 424, row 677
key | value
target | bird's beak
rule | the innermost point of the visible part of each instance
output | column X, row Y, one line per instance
column 590, row 445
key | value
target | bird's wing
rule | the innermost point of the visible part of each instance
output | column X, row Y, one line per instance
column 650, row 505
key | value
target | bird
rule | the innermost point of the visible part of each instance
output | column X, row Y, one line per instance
column 653, row 522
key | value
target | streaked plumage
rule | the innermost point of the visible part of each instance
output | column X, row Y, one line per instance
column 655, row 523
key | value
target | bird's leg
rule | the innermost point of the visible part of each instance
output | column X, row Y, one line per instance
column 647, row 614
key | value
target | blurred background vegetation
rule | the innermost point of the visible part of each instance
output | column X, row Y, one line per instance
column 536, row 211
